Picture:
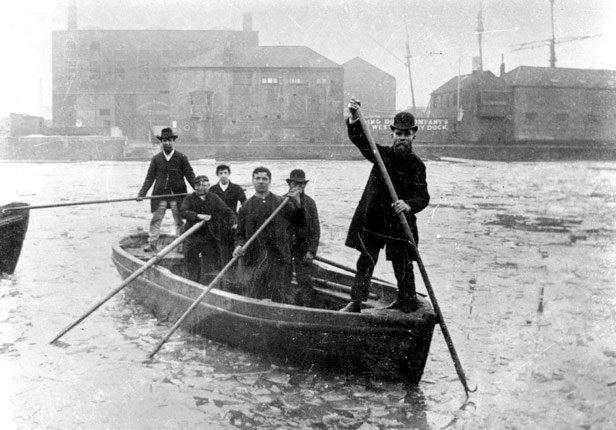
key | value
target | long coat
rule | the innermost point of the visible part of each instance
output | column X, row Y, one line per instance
column 212, row 205
column 375, row 217
column 167, row 177
column 274, row 238
column 305, row 231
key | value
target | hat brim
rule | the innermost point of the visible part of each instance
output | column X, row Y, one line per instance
column 414, row 128
column 303, row 181
column 167, row 137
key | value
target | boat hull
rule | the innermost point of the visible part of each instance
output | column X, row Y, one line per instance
column 13, row 227
column 383, row 343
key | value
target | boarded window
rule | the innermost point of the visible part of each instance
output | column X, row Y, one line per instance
column 95, row 70
column 71, row 70
column 144, row 70
column 120, row 70
column 242, row 78
column 104, row 112
column 165, row 73
column 201, row 104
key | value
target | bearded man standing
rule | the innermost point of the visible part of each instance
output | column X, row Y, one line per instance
column 376, row 222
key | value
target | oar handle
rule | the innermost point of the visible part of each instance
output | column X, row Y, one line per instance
column 216, row 279
column 91, row 202
column 152, row 261
column 411, row 239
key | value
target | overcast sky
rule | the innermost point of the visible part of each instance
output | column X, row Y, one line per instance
column 441, row 33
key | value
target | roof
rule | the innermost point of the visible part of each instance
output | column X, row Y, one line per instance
column 260, row 56
column 527, row 76
column 358, row 63
column 485, row 79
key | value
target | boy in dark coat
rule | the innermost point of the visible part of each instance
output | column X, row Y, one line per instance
column 167, row 172
column 376, row 222
column 203, row 248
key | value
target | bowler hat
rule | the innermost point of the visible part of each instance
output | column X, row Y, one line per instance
column 404, row 121
column 167, row 133
column 297, row 175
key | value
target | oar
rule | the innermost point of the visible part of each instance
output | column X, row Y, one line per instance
column 91, row 202
column 217, row 279
column 422, row 269
column 152, row 261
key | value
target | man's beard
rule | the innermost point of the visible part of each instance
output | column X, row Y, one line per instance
column 167, row 149
column 403, row 148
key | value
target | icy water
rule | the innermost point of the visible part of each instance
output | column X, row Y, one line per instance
column 522, row 258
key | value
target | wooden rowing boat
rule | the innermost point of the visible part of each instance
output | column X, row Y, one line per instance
column 382, row 342
column 13, row 227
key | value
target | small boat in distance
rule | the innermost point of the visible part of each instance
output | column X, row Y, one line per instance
column 383, row 343
column 13, row 227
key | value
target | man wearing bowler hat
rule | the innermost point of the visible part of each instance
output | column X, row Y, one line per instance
column 167, row 172
column 304, row 235
column 376, row 222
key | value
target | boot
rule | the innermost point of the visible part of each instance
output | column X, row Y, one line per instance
column 405, row 304
column 353, row 306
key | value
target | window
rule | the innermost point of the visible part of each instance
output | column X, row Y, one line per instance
column 144, row 70
column 104, row 112
column 531, row 116
column 242, row 78
column 201, row 104
column 562, row 117
column 120, row 70
column 95, row 70
column 296, row 81
column 71, row 69
column 321, row 81
column 269, row 81
column 165, row 73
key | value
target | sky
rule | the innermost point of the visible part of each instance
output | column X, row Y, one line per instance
column 441, row 35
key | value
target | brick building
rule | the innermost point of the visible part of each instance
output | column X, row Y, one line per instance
column 263, row 94
column 121, row 78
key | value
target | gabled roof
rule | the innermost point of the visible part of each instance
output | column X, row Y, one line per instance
column 527, row 76
column 485, row 79
column 358, row 63
column 260, row 57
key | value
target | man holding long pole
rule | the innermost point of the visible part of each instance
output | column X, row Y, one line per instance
column 376, row 222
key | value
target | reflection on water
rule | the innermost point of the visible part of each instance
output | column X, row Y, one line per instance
column 521, row 257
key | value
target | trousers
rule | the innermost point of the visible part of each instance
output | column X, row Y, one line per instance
column 157, row 219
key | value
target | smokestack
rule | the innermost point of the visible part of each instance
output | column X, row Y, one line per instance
column 247, row 25
column 502, row 67
column 72, row 15
column 476, row 64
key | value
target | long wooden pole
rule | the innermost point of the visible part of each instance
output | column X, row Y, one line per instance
column 216, row 279
column 152, row 261
column 91, row 202
column 422, row 269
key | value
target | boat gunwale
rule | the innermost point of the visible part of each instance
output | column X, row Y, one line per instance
column 348, row 322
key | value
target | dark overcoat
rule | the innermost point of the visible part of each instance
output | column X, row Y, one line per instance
column 375, row 218
column 274, row 238
column 212, row 205
column 306, row 230
column 168, row 177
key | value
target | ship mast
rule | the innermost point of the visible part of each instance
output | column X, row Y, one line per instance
column 553, row 39
column 479, row 32
column 408, row 61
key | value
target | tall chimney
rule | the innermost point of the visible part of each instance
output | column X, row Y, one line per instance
column 72, row 15
column 247, row 21
column 502, row 66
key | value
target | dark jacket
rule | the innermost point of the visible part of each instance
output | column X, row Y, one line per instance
column 375, row 215
column 167, row 177
column 274, row 238
column 233, row 194
column 305, row 231
column 210, row 205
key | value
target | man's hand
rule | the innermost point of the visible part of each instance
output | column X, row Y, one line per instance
column 139, row 198
column 354, row 105
column 238, row 251
column 308, row 257
column 401, row 206
column 294, row 194
column 204, row 217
